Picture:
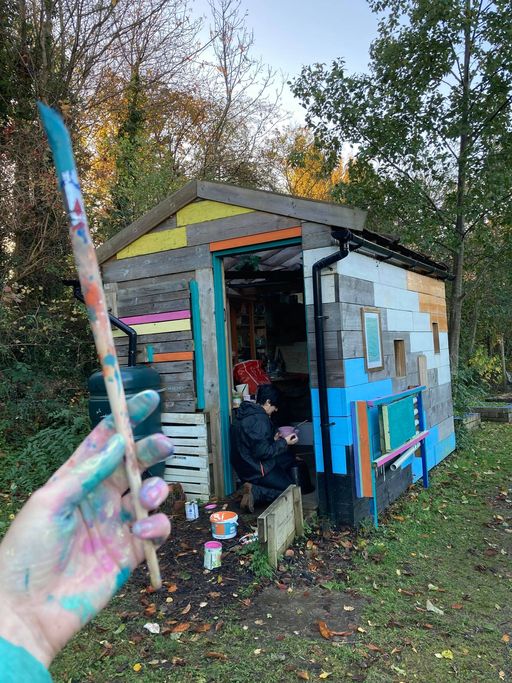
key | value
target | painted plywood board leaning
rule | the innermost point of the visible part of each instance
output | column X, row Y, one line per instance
column 280, row 523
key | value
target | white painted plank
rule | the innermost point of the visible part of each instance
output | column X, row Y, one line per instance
column 189, row 450
column 179, row 430
column 200, row 462
column 179, row 441
column 394, row 297
column 183, row 418
column 399, row 321
column 198, row 477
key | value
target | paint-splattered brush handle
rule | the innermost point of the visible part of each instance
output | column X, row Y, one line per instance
column 92, row 289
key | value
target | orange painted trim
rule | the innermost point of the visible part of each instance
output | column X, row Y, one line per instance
column 260, row 238
column 364, row 448
column 177, row 355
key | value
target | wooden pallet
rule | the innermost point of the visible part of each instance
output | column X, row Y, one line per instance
column 189, row 464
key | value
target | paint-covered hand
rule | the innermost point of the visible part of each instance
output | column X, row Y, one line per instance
column 74, row 543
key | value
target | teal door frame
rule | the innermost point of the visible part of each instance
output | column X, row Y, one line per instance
column 220, row 328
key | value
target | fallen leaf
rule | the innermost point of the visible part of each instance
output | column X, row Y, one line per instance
column 203, row 604
column 137, row 667
column 445, row 654
column 303, row 675
column 217, row 655
column 181, row 628
column 172, row 588
column 219, row 579
column 246, row 602
column 428, row 626
column 325, row 631
column 152, row 628
column 214, row 595
column 178, row 661
column 119, row 629
column 257, row 651
column 457, row 605
column 505, row 638
column 202, row 628
column 432, row 608
column 374, row 648
column 150, row 609
column 218, row 626
column 186, row 609
column 348, row 608
column 398, row 518
column 431, row 587
column 325, row 674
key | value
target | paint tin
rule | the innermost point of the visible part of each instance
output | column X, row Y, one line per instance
column 191, row 510
column 212, row 554
column 224, row 524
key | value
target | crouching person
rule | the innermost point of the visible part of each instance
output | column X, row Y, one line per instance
column 259, row 455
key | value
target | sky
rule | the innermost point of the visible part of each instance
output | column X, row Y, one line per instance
column 291, row 33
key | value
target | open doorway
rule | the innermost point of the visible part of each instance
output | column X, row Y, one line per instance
column 266, row 322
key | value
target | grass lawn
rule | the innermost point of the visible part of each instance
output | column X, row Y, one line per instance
column 432, row 584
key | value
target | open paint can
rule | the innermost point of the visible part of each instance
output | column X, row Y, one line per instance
column 224, row 524
column 212, row 554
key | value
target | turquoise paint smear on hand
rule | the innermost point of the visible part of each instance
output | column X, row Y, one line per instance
column 121, row 578
column 79, row 605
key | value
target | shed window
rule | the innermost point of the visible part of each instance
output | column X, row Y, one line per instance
column 400, row 362
column 435, row 334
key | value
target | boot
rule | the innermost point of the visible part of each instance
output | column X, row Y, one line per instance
column 247, row 502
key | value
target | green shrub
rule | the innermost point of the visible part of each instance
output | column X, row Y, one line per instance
column 28, row 469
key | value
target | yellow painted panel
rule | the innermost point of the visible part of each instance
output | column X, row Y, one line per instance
column 207, row 210
column 157, row 328
column 155, row 241
column 425, row 284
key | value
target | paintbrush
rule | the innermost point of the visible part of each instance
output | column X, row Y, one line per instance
column 94, row 296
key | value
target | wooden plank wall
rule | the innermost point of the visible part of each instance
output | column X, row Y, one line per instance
column 158, row 308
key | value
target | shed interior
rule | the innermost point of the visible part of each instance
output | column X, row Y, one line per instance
column 267, row 322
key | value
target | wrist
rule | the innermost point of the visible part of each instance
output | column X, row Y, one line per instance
column 24, row 631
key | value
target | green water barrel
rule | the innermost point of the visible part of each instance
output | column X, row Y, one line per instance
column 135, row 379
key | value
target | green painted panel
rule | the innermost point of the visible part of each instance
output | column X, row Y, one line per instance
column 397, row 423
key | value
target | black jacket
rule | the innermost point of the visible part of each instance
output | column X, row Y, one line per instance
column 254, row 451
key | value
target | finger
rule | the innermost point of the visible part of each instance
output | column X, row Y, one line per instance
column 139, row 407
column 156, row 527
column 153, row 492
column 70, row 488
column 150, row 450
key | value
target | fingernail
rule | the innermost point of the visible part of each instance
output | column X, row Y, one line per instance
column 143, row 528
column 151, row 491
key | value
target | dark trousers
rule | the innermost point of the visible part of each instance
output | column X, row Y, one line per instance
column 267, row 488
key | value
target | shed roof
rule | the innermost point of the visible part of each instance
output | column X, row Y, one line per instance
column 312, row 210
column 326, row 213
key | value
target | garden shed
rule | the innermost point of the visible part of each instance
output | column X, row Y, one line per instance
column 349, row 324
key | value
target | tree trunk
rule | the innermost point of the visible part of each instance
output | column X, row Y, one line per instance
column 474, row 328
column 457, row 288
column 503, row 361
column 454, row 329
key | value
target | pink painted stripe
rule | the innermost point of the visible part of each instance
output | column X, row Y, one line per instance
column 156, row 317
column 401, row 449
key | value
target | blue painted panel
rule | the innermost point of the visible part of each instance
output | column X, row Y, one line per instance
column 445, row 447
column 355, row 372
column 317, row 444
column 339, row 459
column 335, row 402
